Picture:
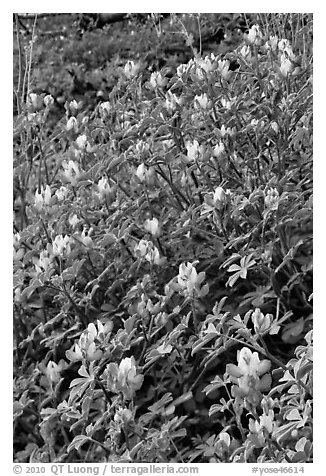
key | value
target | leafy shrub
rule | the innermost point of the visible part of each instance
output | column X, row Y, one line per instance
column 163, row 261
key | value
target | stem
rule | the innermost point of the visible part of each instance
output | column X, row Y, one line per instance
column 19, row 99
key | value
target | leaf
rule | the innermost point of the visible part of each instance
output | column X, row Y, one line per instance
column 77, row 442
column 293, row 415
column 120, row 159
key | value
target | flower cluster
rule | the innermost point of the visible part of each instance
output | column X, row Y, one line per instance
column 124, row 377
column 71, row 171
column 146, row 249
column 189, row 282
column 42, row 198
column 87, row 346
column 250, row 376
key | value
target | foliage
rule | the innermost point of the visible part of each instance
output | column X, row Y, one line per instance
column 163, row 258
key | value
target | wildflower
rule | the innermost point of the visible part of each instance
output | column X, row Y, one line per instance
column 103, row 188
column 142, row 147
column 255, row 35
column 131, row 69
column 227, row 131
column 72, row 124
column 223, row 68
column 87, row 345
column 206, row 64
column 202, row 101
column 18, row 251
column 61, row 245
column 33, row 100
column 73, row 106
column 189, row 282
column 245, row 52
column 43, row 262
column 171, row 101
column 75, row 354
column 81, row 142
column 53, row 370
column 146, row 249
column 152, row 226
column 157, row 81
column 263, row 323
column 61, row 193
column 105, row 107
column 124, row 378
column 144, row 173
column 48, row 100
column 184, row 68
column 71, row 171
column 285, row 47
column 272, row 43
column 73, row 220
column 219, row 195
column 286, row 66
column 42, row 198
column 274, row 126
column 250, row 376
column 272, row 199
column 218, row 149
column 123, row 416
column 264, row 427
column 194, row 150
column 228, row 103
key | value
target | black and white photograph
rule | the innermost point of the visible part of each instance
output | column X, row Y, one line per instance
column 162, row 241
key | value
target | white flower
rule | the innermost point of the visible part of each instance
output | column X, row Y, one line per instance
column 144, row 173
column 61, row 193
column 286, row 66
column 219, row 195
column 53, row 370
column 72, row 124
column 171, row 101
column 184, row 68
column 42, row 198
column 272, row 43
column 131, row 69
column 228, row 103
column 274, row 126
column 146, row 249
column 103, row 188
column 194, row 150
column 73, row 220
column 142, row 146
column 202, row 100
column 71, row 171
column 223, row 68
column 105, row 107
column 33, row 99
column 285, row 47
column 190, row 281
column 245, row 52
column 227, row 131
column 61, row 245
column 48, row 100
column 152, row 226
column 218, row 149
column 81, row 142
column 255, row 35
column 271, row 199
column 43, row 262
column 73, row 106
column 157, row 80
